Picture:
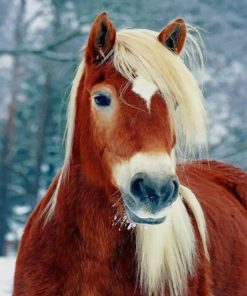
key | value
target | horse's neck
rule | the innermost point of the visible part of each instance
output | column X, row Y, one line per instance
column 91, row 247
column 86, row 207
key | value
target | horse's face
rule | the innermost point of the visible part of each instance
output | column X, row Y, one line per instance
column 132, row 137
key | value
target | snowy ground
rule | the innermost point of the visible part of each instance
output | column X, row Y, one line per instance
column 7, row 266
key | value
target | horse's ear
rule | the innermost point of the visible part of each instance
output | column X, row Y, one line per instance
column 173, row 35
column 101, row 39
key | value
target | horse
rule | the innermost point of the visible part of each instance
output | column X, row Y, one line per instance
column 127, row 214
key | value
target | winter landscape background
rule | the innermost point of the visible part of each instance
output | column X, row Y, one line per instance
column 40, row 43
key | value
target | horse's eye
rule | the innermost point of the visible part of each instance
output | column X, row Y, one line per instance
column 102, row 100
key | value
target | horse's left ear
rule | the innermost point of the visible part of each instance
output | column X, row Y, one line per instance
column 173, row 35
column 101, row 39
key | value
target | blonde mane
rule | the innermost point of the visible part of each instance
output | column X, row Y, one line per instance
column 165, row 253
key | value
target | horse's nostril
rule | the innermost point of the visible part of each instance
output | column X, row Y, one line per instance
column 142, row 188
column 136, row 186
column 170, row 189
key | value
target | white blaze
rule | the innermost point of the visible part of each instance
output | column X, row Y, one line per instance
column 144, row 88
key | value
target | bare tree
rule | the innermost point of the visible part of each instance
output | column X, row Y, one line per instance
column 45, row 110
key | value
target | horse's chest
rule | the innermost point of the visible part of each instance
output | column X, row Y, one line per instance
column 100, row 279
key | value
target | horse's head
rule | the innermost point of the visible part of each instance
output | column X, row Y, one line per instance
column 133, row 82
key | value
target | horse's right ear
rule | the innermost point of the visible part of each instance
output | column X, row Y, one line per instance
column 101, row 39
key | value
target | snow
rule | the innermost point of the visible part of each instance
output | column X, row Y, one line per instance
column 16, row 229
column 7, row 267
column 22, row 210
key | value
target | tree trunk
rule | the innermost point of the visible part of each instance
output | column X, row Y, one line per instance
column 6, row 155
column 45, row 112
column 44, row 117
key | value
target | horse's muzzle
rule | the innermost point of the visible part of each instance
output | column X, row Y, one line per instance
column 150, row 197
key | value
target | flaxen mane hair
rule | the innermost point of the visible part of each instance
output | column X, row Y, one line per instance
column 166, row 253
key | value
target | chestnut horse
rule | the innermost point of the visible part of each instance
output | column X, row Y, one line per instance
column 123, row 217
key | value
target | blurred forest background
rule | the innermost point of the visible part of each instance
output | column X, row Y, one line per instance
column 40, row 43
